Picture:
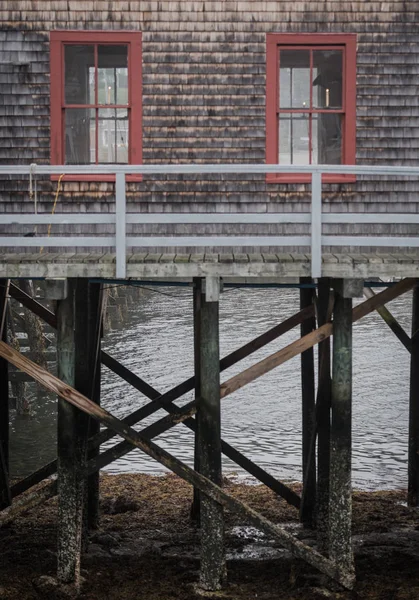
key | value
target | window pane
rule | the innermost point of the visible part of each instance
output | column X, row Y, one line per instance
column 294, row 139
column 113, row 74
column 113, row 135
column 327, row 139
column 327, row 78
column 80, row 133
column 294, row 79
column 79, row 74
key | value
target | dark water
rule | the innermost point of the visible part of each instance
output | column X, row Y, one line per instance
column 262, row 420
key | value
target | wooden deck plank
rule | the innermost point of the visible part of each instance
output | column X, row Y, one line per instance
column 182, row 258
column 270, row 258
column 153, row 258
column 329, row 259
column 403, row 258
column 240, row 266
column 255, row 258
column 167, row 258
column 284, row 257
column 197, row 258
column 241, row 258
column 226, row 258
column 138, row 257
column 211, row 257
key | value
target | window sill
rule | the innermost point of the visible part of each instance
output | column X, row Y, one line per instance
column 303, row 178
column 97, row 178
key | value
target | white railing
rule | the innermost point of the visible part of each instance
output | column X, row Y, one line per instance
column 121, row 241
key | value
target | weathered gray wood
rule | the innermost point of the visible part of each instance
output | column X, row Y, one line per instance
column 308, row 411
column 163, row 400
column 208, row 441
column 391, row 321
column 320, row 334
column 413, row 447
column 340, row 510
column 95, row 319
column 323, row 419
column 300, row 550
column 72, row 428
column 27, row 502
column 197, row 301
column 5, row 495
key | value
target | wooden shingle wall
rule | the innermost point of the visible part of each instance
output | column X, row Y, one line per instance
column 204, row 99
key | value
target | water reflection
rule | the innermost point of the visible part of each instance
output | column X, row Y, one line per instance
column 262, row 420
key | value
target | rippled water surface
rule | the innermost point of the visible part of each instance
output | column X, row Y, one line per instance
column 262, row 420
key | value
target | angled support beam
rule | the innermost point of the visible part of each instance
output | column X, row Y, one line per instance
column 165, row 401
column 279, row 358
column 391, row 321
column 210, row 489
column 310, row 340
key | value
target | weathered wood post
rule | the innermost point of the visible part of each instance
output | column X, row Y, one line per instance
column 340, row 510
column 308, row 410
column 5, row 498
column 413, row 450
column 95, row 322
column 197, row 300
column 323, row 419
column 209, row 437
column 72, row 429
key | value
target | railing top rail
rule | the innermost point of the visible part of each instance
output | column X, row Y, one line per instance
column 202, row 169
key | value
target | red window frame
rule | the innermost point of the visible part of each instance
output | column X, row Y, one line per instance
column 278, row 41
column 58, row 41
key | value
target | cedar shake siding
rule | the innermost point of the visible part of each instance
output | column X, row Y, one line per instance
column 203, row 101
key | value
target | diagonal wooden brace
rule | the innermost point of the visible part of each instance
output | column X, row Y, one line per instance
column 297, row 548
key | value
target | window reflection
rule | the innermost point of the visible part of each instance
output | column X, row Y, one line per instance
column 294, row 79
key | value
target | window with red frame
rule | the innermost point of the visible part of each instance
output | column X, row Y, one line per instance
column 311, row 102
column 95, row 98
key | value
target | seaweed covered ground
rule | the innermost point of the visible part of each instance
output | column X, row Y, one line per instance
column 148, row 549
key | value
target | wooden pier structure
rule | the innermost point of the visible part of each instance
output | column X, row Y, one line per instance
column 214, row 143
column 325, row 310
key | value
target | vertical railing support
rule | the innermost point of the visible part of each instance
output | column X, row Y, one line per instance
column 316, row 224
column 120, row 226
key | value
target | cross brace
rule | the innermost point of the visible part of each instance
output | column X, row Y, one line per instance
column 69, row 394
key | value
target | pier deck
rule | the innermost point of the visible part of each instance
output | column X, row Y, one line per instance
column 272, row 267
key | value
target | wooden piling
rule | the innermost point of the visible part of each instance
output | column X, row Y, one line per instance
column 323, row 419
column 413, row 448
column 197, row 300
column 5, row 497
column 308, row 410
column 72, row 427
column 340, row 508
column 95, row 319
column 209, row 446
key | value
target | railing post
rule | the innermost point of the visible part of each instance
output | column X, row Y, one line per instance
column 120, row 226
column 316, row 224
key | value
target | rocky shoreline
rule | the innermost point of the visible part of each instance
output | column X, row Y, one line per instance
column 148, row 548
